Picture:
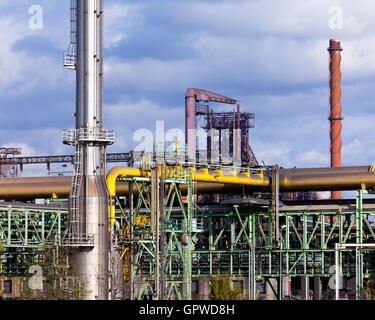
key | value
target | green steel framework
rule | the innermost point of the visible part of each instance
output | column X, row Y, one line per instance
column 174, row 240
column 25, row 230
column 222, row 240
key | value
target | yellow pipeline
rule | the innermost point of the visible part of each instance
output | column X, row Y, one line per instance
column 201, row 175
column 112, row 176
column 243, row 178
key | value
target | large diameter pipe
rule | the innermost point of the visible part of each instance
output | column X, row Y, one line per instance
column 282, row 172
column 249, row 179
column 36, row 180
column 325, row 170
column 290, row 180
column 122, row 188
column 35, row 190
column 45, row 190
column 335, row 106
column 327, row 182
column 202, row 175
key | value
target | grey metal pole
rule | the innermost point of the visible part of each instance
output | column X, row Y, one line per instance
column 281, row 270
column 277, row 190
column 359, row 263
column 249, row 278
column 187, row 247
column 155, row 226
column 252, row 281
column 162, row 235
column 131, row 258
column 357, row 276
column 359, row 272
column 337, row 266
column 253, row 267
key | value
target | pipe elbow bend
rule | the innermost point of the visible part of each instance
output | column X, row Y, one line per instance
column 117, row 172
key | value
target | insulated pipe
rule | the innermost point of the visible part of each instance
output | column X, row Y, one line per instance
column 122, row 188
column 35, row 180
column 283, row 172
column 192, row 96
column 35, row 190
column 327, row 182
column 288, row 182
column 118, row 172
column 201, row 175
column 112, row 176
column 326, row 170
column 198, row 175
column 246, row 178
column 310, row 179
column 335, row 106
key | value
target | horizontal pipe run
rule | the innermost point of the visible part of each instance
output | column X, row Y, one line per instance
column 45, row 190
column 248, row 179
column 327, row 182
column 122, row 188
column 324, row 170
column 282, row 172
column 36, row 180
column 29, row 191
column 305, row 179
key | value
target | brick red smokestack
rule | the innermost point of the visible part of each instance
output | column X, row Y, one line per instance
column 335, row 106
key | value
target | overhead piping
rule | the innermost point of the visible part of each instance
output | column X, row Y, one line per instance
column 303, row 179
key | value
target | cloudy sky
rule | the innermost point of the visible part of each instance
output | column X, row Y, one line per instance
column 271, row 55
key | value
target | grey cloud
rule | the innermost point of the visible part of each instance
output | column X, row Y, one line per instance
column 271, row 55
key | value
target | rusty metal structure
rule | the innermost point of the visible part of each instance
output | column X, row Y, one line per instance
column 192, row 99
column 231, row 121
column 7, row 167
column 300, row 195
column 231, row 128
column 335, row 117
column 213, row 181
column 88, row 198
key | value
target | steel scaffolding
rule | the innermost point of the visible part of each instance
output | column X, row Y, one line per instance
column 170, row 242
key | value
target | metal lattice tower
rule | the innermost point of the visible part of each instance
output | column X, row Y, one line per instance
column 70, row 57
column 7, row 155
column 230, row 122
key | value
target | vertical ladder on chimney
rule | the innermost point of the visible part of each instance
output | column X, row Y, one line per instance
column 74, row 221
column 70, row 57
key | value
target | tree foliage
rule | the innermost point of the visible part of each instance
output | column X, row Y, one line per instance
column 58, row 275
column 221, row 289
column 368, row 291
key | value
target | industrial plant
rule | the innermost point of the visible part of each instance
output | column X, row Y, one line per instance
column 167, row 224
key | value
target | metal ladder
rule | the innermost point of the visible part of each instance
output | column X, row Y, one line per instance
column 70, row 57
column 74, row 221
